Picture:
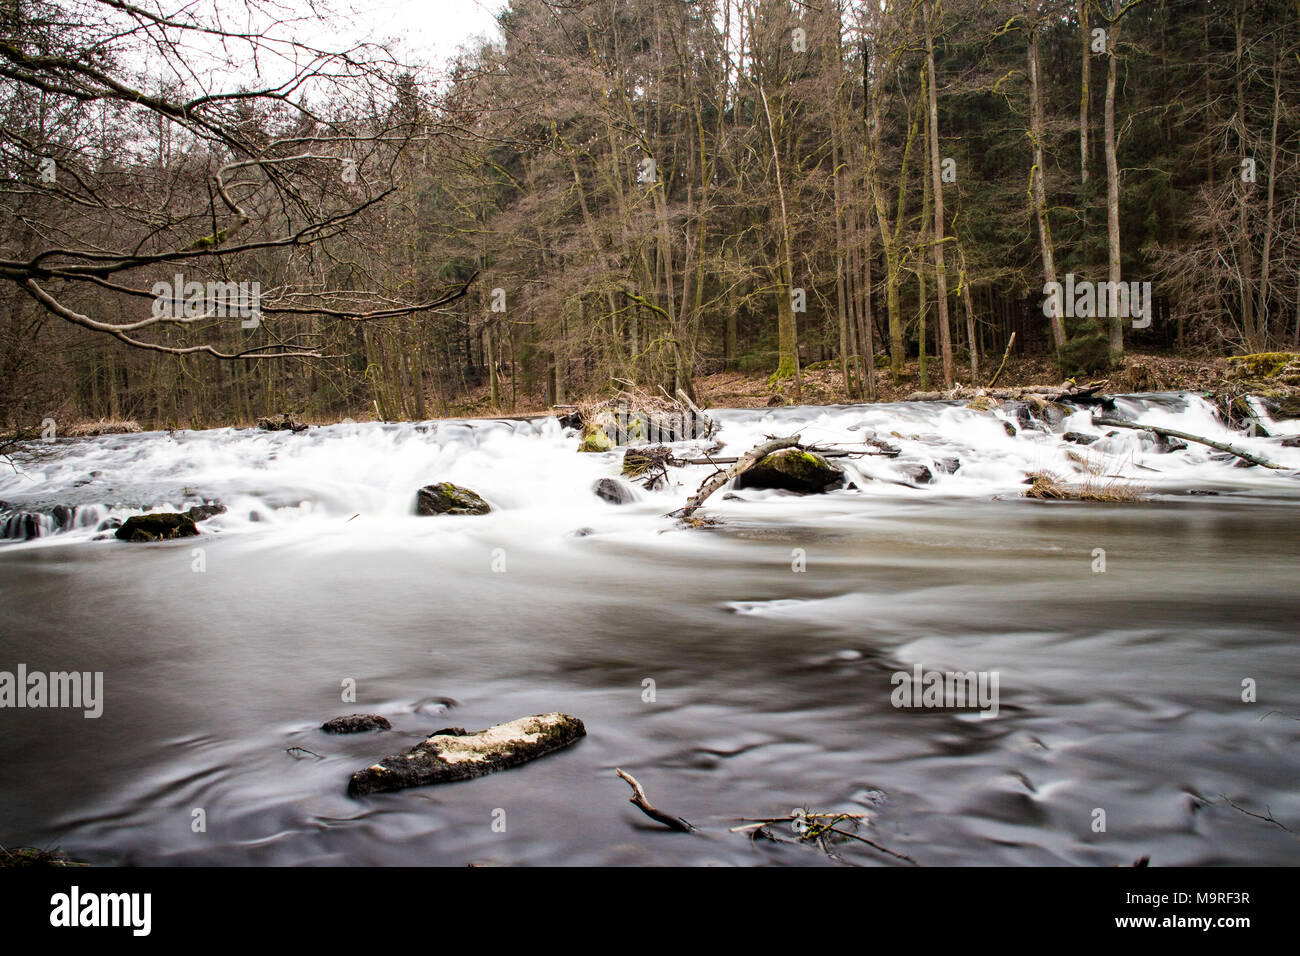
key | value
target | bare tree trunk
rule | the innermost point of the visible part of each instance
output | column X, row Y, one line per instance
column 1037, row 191
column 1112, row 184
column 936, row 190
column 1085, row 90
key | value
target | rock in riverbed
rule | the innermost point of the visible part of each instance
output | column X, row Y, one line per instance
column 157, row 527
column 445, row 498
column 356, row 724
column 613, row 491
column 445, row 757
column 209, row 509
column 791, row 469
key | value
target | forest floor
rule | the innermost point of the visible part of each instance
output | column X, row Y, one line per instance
column 822, row 383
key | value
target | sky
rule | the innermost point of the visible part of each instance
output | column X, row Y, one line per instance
column 430, row 31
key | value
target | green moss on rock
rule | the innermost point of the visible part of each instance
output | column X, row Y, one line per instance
column 791, row 469
column 595, row 440
column 445, row 498
column 1262, row 364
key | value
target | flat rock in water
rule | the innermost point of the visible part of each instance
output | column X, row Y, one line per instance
column 356, row 724
column 445, row 757
column 791, row 469
column 157, row 527
column 445, row 498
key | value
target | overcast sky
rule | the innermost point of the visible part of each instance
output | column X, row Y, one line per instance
column 426, row 30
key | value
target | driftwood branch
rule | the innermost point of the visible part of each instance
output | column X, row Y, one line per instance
column 721, row 477
column 1185, row 436
column 824, row 452
column 642, row 803
column 714, row 481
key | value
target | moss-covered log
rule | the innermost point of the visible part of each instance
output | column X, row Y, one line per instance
column 448, row 756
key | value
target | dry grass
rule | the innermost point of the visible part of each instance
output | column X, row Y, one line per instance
column 1049, row 487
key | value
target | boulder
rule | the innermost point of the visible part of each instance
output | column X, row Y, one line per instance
column 1079, row 438
column 613, row 491
column 791, row 469
column 356, row 724
column 160, row 526
column 444, row 757
column 595, row 440
column 445, row 498
column 209, row 509
column 916, row 473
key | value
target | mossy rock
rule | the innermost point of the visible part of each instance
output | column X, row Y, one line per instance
column 982, row 403
column 791, row 469
column 1261, row 364
column 595, row 440
column 162, row 526
column 445, row 498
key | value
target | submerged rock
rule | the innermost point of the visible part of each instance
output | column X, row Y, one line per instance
column 791, row 469
column 445, row 757
column 1079, row 438
column 160, row 526
column 356, row 724
column 445, row 498
column 206, row 510
column 613, row 491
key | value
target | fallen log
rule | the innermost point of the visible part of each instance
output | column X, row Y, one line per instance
column 1185, row 436
column 824, row 452
column 449, row 755
column 747, row 461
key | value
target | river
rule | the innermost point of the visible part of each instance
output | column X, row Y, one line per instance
column 740, row 670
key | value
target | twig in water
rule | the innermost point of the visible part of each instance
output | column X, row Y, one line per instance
column 1267, row 816
column 640, row 801
column 295, row 751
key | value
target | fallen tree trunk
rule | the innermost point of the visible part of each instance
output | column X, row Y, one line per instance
column 455, row 755
column 747, row 461
column 1185, row 436
column 1052, row 393
column 825, row 453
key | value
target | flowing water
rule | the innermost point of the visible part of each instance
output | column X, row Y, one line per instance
column 771, row 640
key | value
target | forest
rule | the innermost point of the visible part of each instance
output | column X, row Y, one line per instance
column 643, row 192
